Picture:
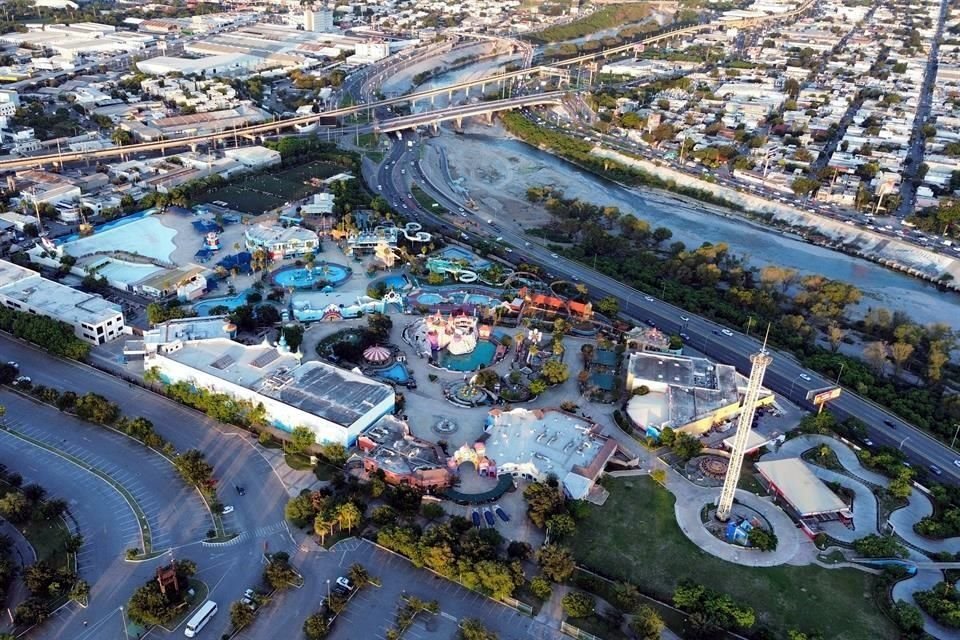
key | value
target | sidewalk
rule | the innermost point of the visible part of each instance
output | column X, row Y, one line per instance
column 294, row 481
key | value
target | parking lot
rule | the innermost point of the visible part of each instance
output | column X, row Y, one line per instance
column 372, row 611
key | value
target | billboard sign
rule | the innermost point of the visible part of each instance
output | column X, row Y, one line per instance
column 820, row 397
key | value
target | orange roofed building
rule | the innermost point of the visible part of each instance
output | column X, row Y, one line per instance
column 553, row 304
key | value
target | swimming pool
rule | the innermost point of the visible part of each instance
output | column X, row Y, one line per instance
column 477, row 299
column 230, row 302
column 303, row 278
column 458, row 253
column 429, row 298
column 119, row 222
column 482, row 356
column 397, row 372
column 396, row 282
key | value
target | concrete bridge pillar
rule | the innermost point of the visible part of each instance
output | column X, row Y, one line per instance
column 433, row 101
column 193, row 147
column 467, row 91
column 459, row 122
column 488, row 116
column 435, row 125
column 483, row 88
column 450, row 97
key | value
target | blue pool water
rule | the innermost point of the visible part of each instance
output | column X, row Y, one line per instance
column 119, row 222
column 303, row 278
column 429, row 298
column 478, row 299
column 457, row 253
column 479, row 357
column 397, row 282
column 397, row 372
column 231, row 302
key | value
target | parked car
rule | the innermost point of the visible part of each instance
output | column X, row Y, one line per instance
column 227, row 509
column 345, row 583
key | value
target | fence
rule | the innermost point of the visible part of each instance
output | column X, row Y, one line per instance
column 574, row 632
column 522, row 607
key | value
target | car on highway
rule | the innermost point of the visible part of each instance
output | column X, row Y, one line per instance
column 727, row 332
column 806, row 377
column 650, row 322
column 685, row 337
column 554, row 256
column 890, row 423
column 648, row 298
column 684, row 318
column 956, row 463
column 935, row 470
column 227, row 509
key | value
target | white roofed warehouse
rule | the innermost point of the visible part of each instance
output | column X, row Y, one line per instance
column 334, row 403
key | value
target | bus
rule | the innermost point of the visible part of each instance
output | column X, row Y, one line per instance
column 200, row 618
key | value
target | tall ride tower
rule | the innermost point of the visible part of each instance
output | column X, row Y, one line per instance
column 760, row 363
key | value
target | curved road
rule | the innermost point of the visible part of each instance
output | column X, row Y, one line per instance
column 785, row 375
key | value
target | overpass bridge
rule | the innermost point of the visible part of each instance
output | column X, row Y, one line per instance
column 457, row 113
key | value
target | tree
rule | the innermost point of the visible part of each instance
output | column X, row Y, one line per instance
column 432, row 510
column 835, row 335
column 647, row 623
column 874, row 546
column 334, row 453
column 543, row 501
column 609, row 306
column 15, row 507
column 686, row 446
column 556, row 562
column 907, row 617
column 358, row 575
column 240, row 615
column 278, row 573
column 349, row 513
column 578, row 604
column 473, row 629
column 540, row 587
column 875, row 353
column 560, row 526
column 762, row 539
column 315, row 627
column 555, row 372
column 193, row 468
column 93, row 407
column 538, row 386
column 900, row 353
column 323, row 525
column 300, row 510
column 301, row 439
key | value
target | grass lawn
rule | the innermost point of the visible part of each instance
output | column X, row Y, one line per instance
column 49, row 540
column 635, row 537
column 200, row 596
column 426, row 201
column 297, row 461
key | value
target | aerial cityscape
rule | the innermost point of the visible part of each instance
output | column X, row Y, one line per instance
column 480, row 320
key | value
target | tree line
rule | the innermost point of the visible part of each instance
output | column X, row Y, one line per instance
column 52, row 335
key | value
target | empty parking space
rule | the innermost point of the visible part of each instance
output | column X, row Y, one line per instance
column 175, row 513
column 373, row 610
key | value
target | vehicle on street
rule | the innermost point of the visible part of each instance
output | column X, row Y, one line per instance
column 650, row 322
column 227, row 509
column 200, row 618
column 685, row 337
column 345, row 583
column 935, row 470
column 14, row 364
column 890, row 423
column 806, row 377
column 727, row 332
column 240, row 490
column 868, row 442
column 21, row 380
column 956, row 463
column 648, row 298
column 554, row 256
column 684, row 318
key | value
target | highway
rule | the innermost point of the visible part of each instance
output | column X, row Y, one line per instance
column 784, row 376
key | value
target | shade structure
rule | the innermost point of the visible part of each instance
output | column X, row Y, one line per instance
column 376, row 354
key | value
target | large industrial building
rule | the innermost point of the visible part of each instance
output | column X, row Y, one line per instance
column 334, row 403
column 684, row 393
column 93, row 319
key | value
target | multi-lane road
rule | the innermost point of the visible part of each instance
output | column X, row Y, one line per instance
column 785, row 376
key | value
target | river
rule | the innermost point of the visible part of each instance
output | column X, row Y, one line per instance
column 693, row 225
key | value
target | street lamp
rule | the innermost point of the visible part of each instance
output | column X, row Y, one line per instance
column 954, row 441
column 328, row 591
column 123, row 616
column 790, row 395
column 842, row 364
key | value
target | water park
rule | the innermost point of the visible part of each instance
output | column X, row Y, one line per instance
column 313, row 276
column 455, row 341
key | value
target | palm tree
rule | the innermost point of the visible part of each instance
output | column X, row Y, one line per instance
column 349, row 513
column 323, row 525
